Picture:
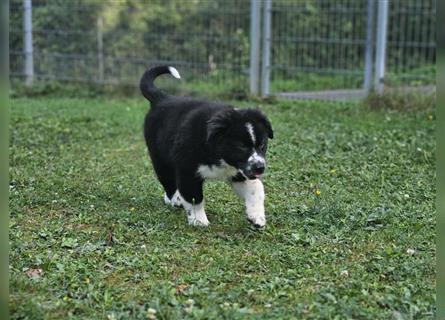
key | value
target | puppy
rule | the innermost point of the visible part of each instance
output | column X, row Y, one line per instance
column 191, row 140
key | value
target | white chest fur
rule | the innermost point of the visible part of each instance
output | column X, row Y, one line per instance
column 220, row 172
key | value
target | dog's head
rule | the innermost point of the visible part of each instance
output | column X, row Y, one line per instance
column 239, row 137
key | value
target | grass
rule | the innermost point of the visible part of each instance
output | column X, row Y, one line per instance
column 350, row 206
column 406, row 101
column 306, row 81
column 419, row 76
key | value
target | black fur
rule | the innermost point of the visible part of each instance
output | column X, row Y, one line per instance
column 183, row 133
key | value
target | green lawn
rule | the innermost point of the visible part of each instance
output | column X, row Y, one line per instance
column 350, row 199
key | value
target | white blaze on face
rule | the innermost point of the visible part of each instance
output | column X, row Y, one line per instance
column 249, row 127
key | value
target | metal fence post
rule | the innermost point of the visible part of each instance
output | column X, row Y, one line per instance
column 369, row 46
column 100, row 49
column 265, row 61
column 27, row 42
column 4, row 34
column 382, row 26
column 255, row 32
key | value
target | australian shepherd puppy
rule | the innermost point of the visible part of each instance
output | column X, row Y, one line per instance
column 191, row 140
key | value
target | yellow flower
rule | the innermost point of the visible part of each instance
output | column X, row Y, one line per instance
column 66, row 298
column 430, row 117
column 317, row 192
column 87, row 280
column 132, row 208
column 333, row 171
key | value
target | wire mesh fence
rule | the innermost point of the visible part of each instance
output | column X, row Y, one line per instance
column 321, row 44
column 315, row 44
column 411, row 45
column 327, row 44
column 112, row 42
column 318, row 45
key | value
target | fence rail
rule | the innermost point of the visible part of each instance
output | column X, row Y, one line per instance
column 292, row 46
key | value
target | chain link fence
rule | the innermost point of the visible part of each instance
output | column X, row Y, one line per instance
column 318, row 45
column 314, row 45
column 411, row 45
column 321, row 45
column 112, row 42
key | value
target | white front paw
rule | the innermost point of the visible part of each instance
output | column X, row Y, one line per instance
column 196, row 214
column 256, row 216
column 257, row 221
column 195, row 221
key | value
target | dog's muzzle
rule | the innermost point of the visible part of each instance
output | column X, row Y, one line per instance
column 255, row 168
column 258, row 168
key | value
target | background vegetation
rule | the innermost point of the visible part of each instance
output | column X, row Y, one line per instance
column 316, row 44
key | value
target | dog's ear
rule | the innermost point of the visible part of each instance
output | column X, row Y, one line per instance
column 261, row 118
column 220, row 123
column 268, row 126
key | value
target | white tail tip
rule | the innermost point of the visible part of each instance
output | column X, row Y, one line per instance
column 174, row 72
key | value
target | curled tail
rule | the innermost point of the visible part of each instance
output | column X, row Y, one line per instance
column 146, row 85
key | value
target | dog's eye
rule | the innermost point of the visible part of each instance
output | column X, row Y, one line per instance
column 262, row 147
column 241, row 146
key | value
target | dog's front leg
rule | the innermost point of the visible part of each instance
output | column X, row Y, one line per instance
column 252, row 192
column 191, row 196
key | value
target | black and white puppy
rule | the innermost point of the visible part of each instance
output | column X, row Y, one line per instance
column 190, row 140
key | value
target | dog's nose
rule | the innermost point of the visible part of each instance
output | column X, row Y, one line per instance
column 258, row 167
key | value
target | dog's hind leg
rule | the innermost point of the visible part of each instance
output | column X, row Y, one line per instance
column 252, row 192
column 166, row 176
column 190, row 192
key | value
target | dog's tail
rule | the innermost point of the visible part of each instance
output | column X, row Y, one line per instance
column 146, row 85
